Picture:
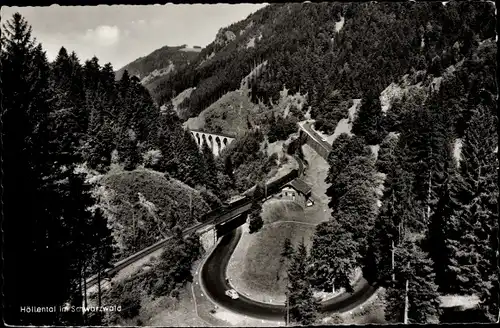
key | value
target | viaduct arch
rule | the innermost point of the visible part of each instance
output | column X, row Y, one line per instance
column 216, row 142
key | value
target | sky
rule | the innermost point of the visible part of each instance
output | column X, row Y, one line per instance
column 121, row 34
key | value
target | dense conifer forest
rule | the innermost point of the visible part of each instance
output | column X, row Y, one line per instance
column 417, row 216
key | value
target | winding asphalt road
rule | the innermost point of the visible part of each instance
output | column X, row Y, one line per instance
column 213, row 281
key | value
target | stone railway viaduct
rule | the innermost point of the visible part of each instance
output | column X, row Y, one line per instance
column 216, row 142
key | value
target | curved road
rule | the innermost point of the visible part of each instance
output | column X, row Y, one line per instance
column 213, row 281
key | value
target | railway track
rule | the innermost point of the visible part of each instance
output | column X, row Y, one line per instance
column 218, row 216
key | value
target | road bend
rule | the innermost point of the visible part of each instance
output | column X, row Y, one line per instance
column 213, row 280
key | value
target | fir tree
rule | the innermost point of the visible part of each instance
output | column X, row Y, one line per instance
column 287, row 250
column 344, row 148
column 414, row 282
column 386, row 153
column 211, row 169
column 334, row 256
column 471, row 233
column 128, row 150
column 368, row 123
column 303, row 307
column 51, row 230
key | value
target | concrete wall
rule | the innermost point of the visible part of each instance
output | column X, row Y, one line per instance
column 316, row 146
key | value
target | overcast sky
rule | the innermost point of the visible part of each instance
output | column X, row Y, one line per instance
column 120, row 34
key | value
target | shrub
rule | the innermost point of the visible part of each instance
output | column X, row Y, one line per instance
column 131, row 306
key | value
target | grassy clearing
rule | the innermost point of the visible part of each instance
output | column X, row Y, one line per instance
column 255, row 266
column 227, row 115
column 315, row 176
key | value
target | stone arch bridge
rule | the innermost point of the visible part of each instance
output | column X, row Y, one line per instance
column 216, row 142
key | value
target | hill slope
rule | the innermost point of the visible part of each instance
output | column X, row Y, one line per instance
column 144, row 206
column 160, row 62
column 320, row 48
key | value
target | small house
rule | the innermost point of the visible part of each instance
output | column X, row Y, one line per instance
column 297, row 190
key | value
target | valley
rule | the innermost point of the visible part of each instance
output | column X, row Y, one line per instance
column 313, row 163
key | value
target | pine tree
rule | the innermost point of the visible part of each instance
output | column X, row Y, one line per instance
column 210, row 168
column 396, row 216
column 53, row 229
column 128, row 150
column 414, row 281
column 386, row 153
column 440, row 221
column 101, row 130
column 70, row 120
column 368, row 123
column 102, row 247
column 23, row 105
column 344, row 148
column 38, row 232
column 303, row 307
column 471, row 234
column 334, row 256
column 287, row 251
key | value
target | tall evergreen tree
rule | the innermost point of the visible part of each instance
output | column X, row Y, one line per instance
column 128, row 151
column 414, row 289
column 344, row 148
column 334, row 256
column 472, row 233
column 368, row 123
column 52, row 229
column 386, row 153
column 303, row 307
column 24, row 115
column 440, row 221
column 396, row 215
column 211, row 169
column 287, row 250
column 70, row 120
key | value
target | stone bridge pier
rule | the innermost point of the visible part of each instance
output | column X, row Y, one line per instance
column 208, row 236
column 216, row 142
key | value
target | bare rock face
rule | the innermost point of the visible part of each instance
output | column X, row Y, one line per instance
column 224, row 37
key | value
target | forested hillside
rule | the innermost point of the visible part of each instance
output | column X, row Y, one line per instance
column 430, row 140
column 350, row 48
column 159, row 63
column 66, row 121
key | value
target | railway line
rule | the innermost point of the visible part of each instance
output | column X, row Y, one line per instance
column 218, row 216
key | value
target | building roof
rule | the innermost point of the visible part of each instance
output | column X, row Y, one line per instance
column 300, row 185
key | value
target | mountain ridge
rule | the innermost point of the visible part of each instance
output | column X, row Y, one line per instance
column 160, row 62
